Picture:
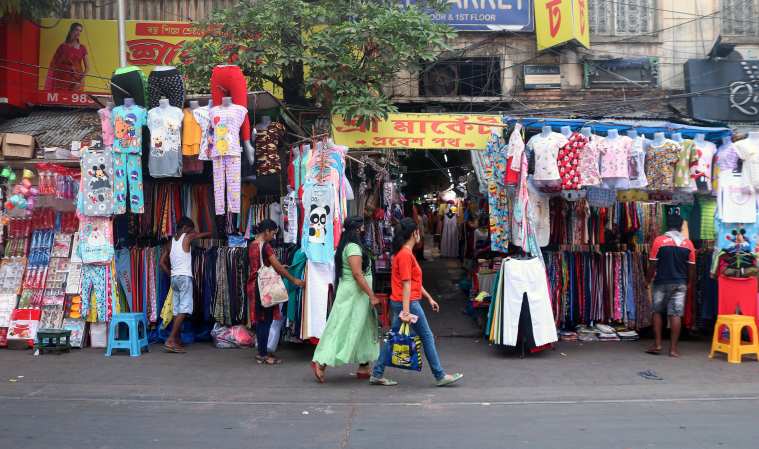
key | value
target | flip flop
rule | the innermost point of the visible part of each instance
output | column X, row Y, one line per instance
column 315, row 369
column 653, row 351
column 173, row 349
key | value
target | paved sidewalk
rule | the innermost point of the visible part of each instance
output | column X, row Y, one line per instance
column 579, row 395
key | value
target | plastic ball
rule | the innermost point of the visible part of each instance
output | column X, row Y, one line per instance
column 24, row 191
column 22, row 204
column 30, row 203
column 34, row 191
column 9, row 206
column 16, row 199
column 17, row 188
column 26, row 183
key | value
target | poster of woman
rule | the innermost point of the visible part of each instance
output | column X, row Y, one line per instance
column 69, row 65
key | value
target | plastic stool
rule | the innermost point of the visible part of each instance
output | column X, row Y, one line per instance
column 735, row 348
column 138, row 333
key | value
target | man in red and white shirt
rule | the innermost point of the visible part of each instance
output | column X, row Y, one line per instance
column 671, row 266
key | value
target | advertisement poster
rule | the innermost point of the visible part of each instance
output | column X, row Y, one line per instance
column 78, row 56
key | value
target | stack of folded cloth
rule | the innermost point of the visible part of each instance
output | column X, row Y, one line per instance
column 628, row 335
column 606, row 333
column 585, row 333
column 568, row 336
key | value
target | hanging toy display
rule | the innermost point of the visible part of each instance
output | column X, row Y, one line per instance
column 24, row 194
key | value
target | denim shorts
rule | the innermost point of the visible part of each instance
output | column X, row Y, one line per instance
column 181, row 287
column 670, row 299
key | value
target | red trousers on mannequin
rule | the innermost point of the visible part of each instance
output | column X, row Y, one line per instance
column 228, row 81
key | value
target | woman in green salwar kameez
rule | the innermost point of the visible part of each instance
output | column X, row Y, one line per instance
column 351, row 334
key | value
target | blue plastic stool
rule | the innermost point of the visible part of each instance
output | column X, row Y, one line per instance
column 138, row 333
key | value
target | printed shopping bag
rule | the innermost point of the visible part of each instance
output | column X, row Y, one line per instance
column 405, row 350
column 271, row 287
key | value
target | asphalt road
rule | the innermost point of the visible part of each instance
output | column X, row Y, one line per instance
column 92, row 423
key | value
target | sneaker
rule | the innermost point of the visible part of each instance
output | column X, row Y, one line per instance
column 383, row 381
column 449, row 379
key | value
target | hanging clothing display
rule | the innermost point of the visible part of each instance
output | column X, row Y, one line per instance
column 590, row 153
column 165, row 124
column 449, row 246
column 127, row 158
column 519, row 279
column 736, row 200
column 546, row 149
column 498, row 199
column 267, row 149
column 97, row 182
column 660, row 164
column 166, row 83
column 569, row 161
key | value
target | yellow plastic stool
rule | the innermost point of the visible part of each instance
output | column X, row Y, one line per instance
column 735, row 348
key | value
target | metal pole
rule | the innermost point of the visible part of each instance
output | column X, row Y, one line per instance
column 122, row 33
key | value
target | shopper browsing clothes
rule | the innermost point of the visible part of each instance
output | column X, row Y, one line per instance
column 261, row 316
column 351, row 333
column 176, row 260
column 672, row 265
column 406, row 296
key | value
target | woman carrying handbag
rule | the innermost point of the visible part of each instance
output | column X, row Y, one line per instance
column 261, row 257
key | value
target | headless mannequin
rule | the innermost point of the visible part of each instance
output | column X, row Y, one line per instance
column 615, row 183
column 612, row 134
column 194, row 104
column 163, row 103
column 163, row 68
column 128, row 102
column 658, row 139
column 586, row 131
column 264, row 123
column 566, row 131
column 546, row 131
column 250, row 152
column 727, row 140
column 700, row 138
column 109, row 105
column 677, row 137
column 631, row 133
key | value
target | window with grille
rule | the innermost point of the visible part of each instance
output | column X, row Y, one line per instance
column 622, row 17
column 739, row 17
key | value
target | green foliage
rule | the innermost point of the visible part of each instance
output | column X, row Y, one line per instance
column 350, row 48
column 33, row 10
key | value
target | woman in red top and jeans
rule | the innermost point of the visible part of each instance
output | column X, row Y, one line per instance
column 407, row 292
column 261, row 317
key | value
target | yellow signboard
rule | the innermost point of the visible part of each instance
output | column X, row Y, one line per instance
column 417, row 131
column 560, row 21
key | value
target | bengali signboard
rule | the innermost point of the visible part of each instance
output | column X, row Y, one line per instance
column 66, row 76
column 417, row 131
column 558, row 22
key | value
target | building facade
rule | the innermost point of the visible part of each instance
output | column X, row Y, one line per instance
column 638, row 50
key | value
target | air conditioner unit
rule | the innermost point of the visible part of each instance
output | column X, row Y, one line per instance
column 442, row 80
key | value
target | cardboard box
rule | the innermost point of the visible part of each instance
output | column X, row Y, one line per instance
column 19, row 146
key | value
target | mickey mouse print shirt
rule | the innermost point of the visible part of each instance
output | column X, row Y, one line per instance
column 127, row 128
column 226, row 122
column 165, row 124
column 97, row 182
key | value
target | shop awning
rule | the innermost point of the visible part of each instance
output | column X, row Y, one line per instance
column 647, row 127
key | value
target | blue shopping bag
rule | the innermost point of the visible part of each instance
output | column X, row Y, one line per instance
column 404, row 351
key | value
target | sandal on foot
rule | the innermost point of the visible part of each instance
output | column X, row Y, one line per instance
column 383, row 381
column 319, row 376
column 173, row 349
column 270, row 360
column 653, row 351
column 449, row 379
